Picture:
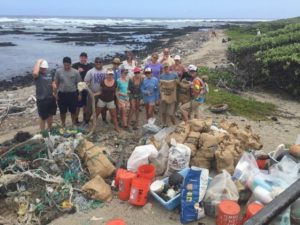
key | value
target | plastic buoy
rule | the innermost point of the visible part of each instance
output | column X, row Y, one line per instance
column 116, row 222
column 228, row 213
column 125, row 180
column 146, row 171
column 139, row 191
column 252, row 209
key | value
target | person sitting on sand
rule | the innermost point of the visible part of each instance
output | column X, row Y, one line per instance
column 198, row 96
column 66, row 80
column 166, row 57
column 168, row 94
column 93, row 78
column 129, row 63
column 107, row 95
column 123, row 97
column 150, row 92
column 83, row 67
column 156, row 67
column 178, row 67
column 135, row 96
column 46, row 102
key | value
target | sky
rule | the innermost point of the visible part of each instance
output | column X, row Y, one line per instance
column 264, row 9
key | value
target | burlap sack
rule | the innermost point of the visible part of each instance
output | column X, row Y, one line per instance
column 192, row 147
column 224, row 124
column 209, row 153
column 224, row 161
column 199, row 161
column 96, row 162
column 208, row 140
column 193, row 138
column 254, row 142
column 199, row 125
column 184, row 93
column 233, row 128
column 181, row 132
column 168, row 91
column 98, row 189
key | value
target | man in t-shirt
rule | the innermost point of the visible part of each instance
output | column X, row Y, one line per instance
column 66, row 80
column 82, row 66
column 166, row 57
column 93, row 78
column 46, row 102
column 168, row 108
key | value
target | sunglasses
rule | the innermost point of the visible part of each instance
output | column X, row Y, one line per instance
column 98, row 62
column 147, row 72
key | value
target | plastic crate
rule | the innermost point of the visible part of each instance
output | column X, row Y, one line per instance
column 174, row 202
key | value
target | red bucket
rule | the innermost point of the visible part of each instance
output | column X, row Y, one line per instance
column 139, row 191
column 116, row 222
column 228, row 213
column 125, row 180
column 252, row 209
column 119, row 172
column 146, row 171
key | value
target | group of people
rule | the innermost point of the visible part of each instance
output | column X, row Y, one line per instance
column 163, row 81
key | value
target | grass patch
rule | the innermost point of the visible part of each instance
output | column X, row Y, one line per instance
column 241, row 106
column 238, row 35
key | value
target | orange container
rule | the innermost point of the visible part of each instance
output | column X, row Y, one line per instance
column 119, row 172
column 116, row 222
column 139, row 191
column 252, row 209
column 228, row 213
column 125, row 180
column 146, row 171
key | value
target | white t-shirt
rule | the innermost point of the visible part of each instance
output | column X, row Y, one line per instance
column 130, row 68
column 95, row 77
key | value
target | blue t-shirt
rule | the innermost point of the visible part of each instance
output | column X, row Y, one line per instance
column 169, row 76
column 117, row 73
column 156, row 69
column 150, row 89
column 123, row 89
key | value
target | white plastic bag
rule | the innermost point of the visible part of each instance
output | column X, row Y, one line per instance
column 150, row 127
column 140, row 156
column 164, row 133
column 179, row 157
column 161, row 161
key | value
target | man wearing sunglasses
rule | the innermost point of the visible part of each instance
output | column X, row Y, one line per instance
column 93, row 78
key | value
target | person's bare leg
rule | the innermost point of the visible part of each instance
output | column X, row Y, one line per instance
column 42, row 124
column 185, row 116
column 132, row 110
column 137, row 112
column 151, row 111
column 77, row 114
column 98, row 111
column 73, row 118
column 164, row 118
column 147, row 110
column 50, row 122
column 113, row 115
column 173, row 119
column 63, row 119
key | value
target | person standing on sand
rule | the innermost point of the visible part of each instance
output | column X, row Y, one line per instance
column 150, row 92
column 168, row 90
column 166, row 57
column 66, row 80
column 123, row 97
column 107, row 93
column 94, row 78
column 198, row 96
column 129, row 63
column 135, row 96
column 46, row 102
column 178, row 67
column 116, row 68
column 83, row 67
column 155, row 66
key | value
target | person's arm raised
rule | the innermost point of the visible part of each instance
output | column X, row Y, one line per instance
column 36, row 68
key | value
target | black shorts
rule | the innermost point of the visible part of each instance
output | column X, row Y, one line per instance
column 67, row 101
column 46, row 107
column 83, row 101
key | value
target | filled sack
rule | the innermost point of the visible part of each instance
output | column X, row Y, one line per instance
column 98, row 189
column 184, row 92
column 181, row 132
column 168, row 91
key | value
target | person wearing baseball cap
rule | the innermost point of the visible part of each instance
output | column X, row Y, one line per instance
column 83, row 66
column 150, row 92
column 66, row 80
column 46, row 102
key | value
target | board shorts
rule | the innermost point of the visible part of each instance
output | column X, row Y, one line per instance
column 166, row 108
column 123, row 104
column 46, row 107
column 67, row 101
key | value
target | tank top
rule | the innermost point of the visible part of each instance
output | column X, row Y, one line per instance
column 108, row 93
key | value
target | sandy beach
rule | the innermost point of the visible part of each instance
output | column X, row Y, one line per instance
column 193, row 51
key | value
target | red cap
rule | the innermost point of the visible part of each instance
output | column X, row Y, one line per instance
column 137, row 70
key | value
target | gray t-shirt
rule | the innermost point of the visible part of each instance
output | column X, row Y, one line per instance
column 43, row 84
column 67, row 80
column 95, row 77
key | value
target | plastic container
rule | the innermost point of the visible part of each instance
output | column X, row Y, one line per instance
column 228, row 213
column 139, row 191
column 174, row 202
column 125, row 180
column 146, row 171
column 252, row 209
column 116, row 222
column 118, row 173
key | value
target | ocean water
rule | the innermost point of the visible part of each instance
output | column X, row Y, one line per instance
column 16, row 60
